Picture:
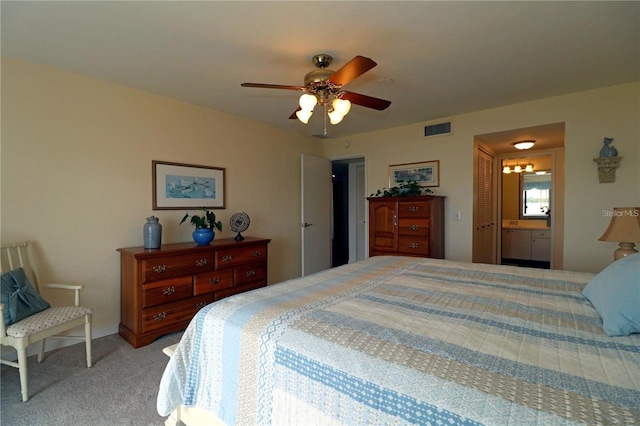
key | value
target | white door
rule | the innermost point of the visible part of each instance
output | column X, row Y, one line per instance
column 316, row 214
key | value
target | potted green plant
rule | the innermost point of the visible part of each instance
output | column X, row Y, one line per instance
column 205, row 224
column 404, row 189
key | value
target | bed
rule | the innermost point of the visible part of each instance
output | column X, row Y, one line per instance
column 399, row 340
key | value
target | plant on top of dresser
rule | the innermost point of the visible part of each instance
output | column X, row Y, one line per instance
column 405, row 188
column 205, row 224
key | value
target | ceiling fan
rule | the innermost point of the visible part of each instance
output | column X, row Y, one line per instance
column 324, row 87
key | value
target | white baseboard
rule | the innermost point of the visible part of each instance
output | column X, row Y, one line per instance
column 9, row 354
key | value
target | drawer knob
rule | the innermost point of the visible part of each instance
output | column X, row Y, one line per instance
column 158, row 269
column 414, row 209
column 168, row 291
column 414, row 245
column 251, row 273
column 159, row 317
column 227, row 258
column 413, row 227
column 201, row 262
column 215, row 280
column 257, row 253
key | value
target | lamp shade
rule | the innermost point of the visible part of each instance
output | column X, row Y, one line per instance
column 304, row 115
column 335, row 117
column 308, row 102
column 624, row 229
column 342, row 106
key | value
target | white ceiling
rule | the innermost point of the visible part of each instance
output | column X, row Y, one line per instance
column 435, row 59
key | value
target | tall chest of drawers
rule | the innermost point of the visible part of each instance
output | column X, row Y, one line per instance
column 406, row 226
column 162, row 289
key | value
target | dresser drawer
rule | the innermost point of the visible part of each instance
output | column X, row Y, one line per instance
column 166, row 291
column 413, row 246
column 212, row 281
column 170, row 314
column 239, row 255
column 414, row 226
column 249, row 273
column 161, row 268
column 413, row 209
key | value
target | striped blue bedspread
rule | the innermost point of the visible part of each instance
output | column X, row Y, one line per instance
column 398, row 340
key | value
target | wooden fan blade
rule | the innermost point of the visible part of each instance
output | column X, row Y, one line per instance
column 352, row 69
column 272, row 86
column 366, row 101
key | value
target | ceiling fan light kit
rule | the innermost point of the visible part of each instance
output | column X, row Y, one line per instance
column 324, row 87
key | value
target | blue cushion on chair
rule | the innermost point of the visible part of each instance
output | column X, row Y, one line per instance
column 615, row 293
column 19, row 297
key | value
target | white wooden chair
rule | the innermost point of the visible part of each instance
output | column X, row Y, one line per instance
column 44, row 324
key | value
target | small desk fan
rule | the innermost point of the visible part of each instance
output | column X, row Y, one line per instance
column 239, row 222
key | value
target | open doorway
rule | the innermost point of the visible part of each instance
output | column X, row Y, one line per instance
column 348, row 211
column 527, row 205
column 524, row 232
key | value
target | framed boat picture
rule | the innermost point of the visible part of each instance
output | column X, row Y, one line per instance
column 426, row 173
column 178, row 186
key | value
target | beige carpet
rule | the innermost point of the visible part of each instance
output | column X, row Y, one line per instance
column 120, row 389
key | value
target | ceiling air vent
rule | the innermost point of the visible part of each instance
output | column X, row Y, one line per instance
column 436, row 129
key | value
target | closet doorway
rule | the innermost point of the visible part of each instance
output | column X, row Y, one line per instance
column 349, row 227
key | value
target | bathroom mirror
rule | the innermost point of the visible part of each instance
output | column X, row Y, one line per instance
column 535, row 195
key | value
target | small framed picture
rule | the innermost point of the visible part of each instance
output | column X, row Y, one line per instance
column 426, row 173
column 179, row 186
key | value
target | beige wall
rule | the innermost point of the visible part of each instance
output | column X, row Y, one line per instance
column 76, row 171
column 76, row 175
column 589, row 117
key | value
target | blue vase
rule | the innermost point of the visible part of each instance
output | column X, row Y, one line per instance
column 203, row 236
column 608, row 150
column 152, row 233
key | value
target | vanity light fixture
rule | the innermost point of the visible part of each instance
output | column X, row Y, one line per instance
column 521, row 145
column 518, row 169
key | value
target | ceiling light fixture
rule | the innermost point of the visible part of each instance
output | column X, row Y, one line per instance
column 323, row 87
column 528, row 144
column 336, row 107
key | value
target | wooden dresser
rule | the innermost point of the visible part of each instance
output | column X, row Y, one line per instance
column 162, row 289
column 406, row 226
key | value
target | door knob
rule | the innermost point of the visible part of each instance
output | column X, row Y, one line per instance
column 306, row 225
